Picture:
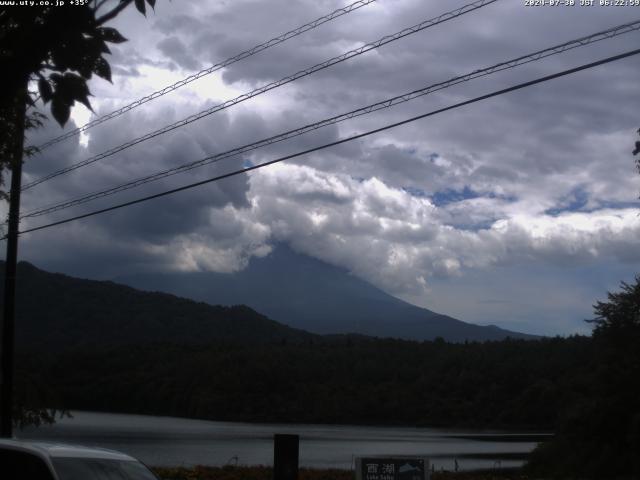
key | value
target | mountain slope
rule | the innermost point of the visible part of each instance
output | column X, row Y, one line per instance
column 55, row 311
column 306, row 293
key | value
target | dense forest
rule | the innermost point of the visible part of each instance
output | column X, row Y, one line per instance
column 512, row 383
column 121, row 350
column 599, row 435
column 55, row 312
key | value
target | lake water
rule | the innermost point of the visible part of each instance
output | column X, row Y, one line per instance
column 167, row 441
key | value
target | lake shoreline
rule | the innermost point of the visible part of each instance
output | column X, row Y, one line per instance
column 171, row 441
column 458, row 431
column 266, row 473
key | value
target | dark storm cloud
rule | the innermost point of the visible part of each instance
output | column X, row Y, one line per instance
column 182, row 214
column 175, row 50
column 522, row 155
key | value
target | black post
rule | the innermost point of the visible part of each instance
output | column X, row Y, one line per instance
column 285, row 457
column 8, row 318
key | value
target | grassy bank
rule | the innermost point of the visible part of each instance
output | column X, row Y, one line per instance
column 266, row 473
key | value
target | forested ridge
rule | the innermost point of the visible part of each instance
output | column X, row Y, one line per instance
column 55, row 312
column 507, row 384
column 102, row 346
column 120, row 350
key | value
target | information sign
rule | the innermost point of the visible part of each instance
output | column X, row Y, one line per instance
column 392, row 468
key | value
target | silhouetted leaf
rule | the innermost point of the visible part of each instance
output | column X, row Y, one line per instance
column 83, row 98
column 60, row 110
column 102, row 69
column 111, row 35
column 56, row 40
column 75, row 88
column 86, row 67
column 61, row 56
column 140, row 6
column 104, row 47
column 68, row 89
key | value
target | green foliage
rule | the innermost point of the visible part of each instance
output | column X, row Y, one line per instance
column 103, row 346
column 621, row 314
column 599, row 436
column 508, row 384
column 266, row 473
column 59, row 49
column 242, row 473
column 31, row 397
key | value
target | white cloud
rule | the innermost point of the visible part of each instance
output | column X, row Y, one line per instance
column 501, row 167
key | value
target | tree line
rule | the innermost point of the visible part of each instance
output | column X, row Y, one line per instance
column 352, row 380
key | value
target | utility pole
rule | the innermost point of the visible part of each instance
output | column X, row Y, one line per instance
column 8, row 318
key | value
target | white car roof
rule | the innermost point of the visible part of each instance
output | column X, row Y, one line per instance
column 57, row 450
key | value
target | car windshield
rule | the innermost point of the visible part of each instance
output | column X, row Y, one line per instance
column 69, row 468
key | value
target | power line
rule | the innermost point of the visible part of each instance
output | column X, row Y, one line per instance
column 225, row 63
column 265, row 88
column 538, row 55
column 338, row 142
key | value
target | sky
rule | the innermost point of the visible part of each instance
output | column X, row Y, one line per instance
column 520, row 211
